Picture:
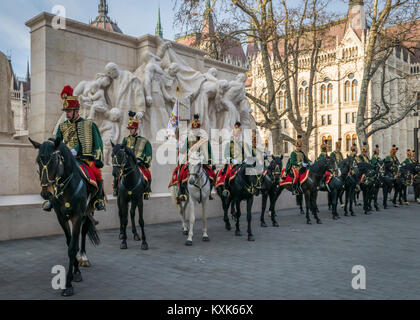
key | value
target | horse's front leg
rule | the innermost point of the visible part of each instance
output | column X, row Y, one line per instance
column 226, row 204
column 123, row 205
column 307, row 204
column 249, row 203
column 385, row 195
column 263, row 207
column 72, row 252
column 144, row 245
column 204, row 217
column 81, row 256
column 134, row 205
column 237, row 216
column 273, row 199
column 192, row 221
column 334, row 203
column 315, row 207
column 351, row 197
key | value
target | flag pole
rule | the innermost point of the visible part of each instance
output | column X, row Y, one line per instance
column 177, row 124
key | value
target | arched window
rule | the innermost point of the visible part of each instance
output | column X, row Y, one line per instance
column 323, row 94
column 354, row 87
column 329, row 93
column 306, row 96
column 354, row 139
column 301, row 97
column 329, row 141
column 347, row 91
column 348, row 142
column 281, row 100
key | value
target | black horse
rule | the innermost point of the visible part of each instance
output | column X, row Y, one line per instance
column 398, row 184
column 242, row 187
column 408, row 174
column 72, row 201
column 383, row 180
column 131, row 186
column 367, row 184
column 416, row 183
column 270, row 188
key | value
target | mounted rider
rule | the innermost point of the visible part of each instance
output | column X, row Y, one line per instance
column 363, row 157
column 236, row 151
column 392, row 156
column 183, row 172
column 324, row 154
column 297, row 161
column 84, row 140
column 408, row 160
column 375, row 157
column 142, row 149
column 337, row 152
column 353, row 152
column 324, row 151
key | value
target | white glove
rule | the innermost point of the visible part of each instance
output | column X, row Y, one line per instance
column 304, row 164
column 74, row 152
column 140, row 115
column 311, row 163
column 234, row 161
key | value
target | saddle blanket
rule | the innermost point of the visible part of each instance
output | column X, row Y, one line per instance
column 90, row 173
column 146, row 173
column 230, row 174
column 289, row 179
column 327, row 177
column 180, row 174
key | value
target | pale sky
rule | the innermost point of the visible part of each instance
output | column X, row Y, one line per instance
column 134, row 17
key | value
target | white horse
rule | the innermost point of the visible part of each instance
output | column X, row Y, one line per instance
column 199, row 190
column 181, row 206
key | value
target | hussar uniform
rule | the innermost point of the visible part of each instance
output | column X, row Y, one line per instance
column 363, row 157
column 296, row 161
column 84, row 140
column 337, row 152
column 408, row 160
column 392, row 156
column 375, row 158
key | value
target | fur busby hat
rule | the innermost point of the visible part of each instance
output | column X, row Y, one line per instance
column 354, row 148
column 376, row 150
column 393, row 150
column 299, row 141
column 324, row 146
column 364, row 148
column 196, row 124
column 69, row 101
column 338, row 144
column 133, row 123
column 237, row 130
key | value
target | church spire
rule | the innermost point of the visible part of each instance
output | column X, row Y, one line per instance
column 208, row 25
column 103, row 8
column 159, row 30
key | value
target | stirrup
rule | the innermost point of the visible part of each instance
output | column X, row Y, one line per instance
column 183, row 197
column 99, row 205
column 226, row 193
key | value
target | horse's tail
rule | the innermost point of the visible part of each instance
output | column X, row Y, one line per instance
column 92, row 232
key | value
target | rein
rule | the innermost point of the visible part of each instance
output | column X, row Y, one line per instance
column 199, row 175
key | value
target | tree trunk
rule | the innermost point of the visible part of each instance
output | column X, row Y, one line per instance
column 277, row 139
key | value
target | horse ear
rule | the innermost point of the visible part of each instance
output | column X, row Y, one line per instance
column 281, row 157
column 36, row 145
column 112, row 144
column 57, row 142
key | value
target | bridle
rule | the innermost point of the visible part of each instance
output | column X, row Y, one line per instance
column 250, row 188
column 123, row 171
column 197, row 177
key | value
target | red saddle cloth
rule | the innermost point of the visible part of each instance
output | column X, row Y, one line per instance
column 229, row 174
column 289, row 179
column 146, row 173
column 327, row 177
column 182, row 176
column 91, row 173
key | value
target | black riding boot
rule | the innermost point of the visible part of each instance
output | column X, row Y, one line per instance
column 99, row 197
column 47, row 205
column 146, row 194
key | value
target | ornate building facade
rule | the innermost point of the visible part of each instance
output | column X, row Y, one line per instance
column 336, row 93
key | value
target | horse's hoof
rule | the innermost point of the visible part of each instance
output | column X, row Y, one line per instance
column 385, row 207
column 121, row 236
column 85, row 264
column 308, row 222
column 238, row 233
column 342, row 206
column 188, row 243
column 123, row 246
column 395, row 206
column 185, row 232
column 353, row 214
column 77, row 277
column 251, row 237
column 368, row 212
column 319, row 221
column 136, row 237
column 346, row 214
column 302, row 212
column 67, row 292
column 228, row 226
column 335, row 217
column 144, row 246
column 275, row 224
column 263, row 224
column 206, row 239
column 377, row 209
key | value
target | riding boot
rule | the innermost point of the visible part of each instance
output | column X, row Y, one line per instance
column 99, row 197
column 182, row 193
column 146, row 194
column 47, row 205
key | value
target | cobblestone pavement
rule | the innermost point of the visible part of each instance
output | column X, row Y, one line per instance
column 294, row 261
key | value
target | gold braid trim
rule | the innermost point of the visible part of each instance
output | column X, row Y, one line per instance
column 84, row 129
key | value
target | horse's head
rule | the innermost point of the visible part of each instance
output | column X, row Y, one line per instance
column 380, row 168
column 50, row 162
column 121, row 156
column 332, row 166
column 248, row 173
column 275, row 167
column 195, row 160
column 345, row 166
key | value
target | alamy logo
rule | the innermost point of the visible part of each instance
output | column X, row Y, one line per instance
column 59, row 21
column 359, row 280
column 59, row 280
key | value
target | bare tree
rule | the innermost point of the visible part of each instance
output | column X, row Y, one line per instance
column 394, row 25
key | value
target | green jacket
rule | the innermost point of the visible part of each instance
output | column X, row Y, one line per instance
column 83, row 136
column 407, row 161
column 375, row 159
column 296, row 159
column 141, row 147
column 239, row 151
column 322, row 155
column 392, row 159
column 338, row 156
column 189, row 142
column 363, row 158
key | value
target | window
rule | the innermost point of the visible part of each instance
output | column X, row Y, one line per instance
column 329, row 93
column 286, row 147
column 353, row 117
column 348, row 117
column 347, row 91
column 354, row 86
column 329, row 119
column 281, row 100
column 329, row 142
column 285, row 123
column 301, row 97
column 348, row 142
column 306, row 96
column 354, row 139
column 323, row 94
column 323, row 120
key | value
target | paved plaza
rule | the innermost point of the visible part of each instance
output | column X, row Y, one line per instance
column 294, row 261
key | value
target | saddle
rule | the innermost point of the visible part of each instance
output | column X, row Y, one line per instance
column 221, row 176
column 88, row 175
column 300, row 176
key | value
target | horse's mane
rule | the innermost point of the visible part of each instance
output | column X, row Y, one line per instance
column 130, row 153
column 318, row 165
column 365, row 166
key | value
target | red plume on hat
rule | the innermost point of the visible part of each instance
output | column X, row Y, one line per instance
column 69, row 101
